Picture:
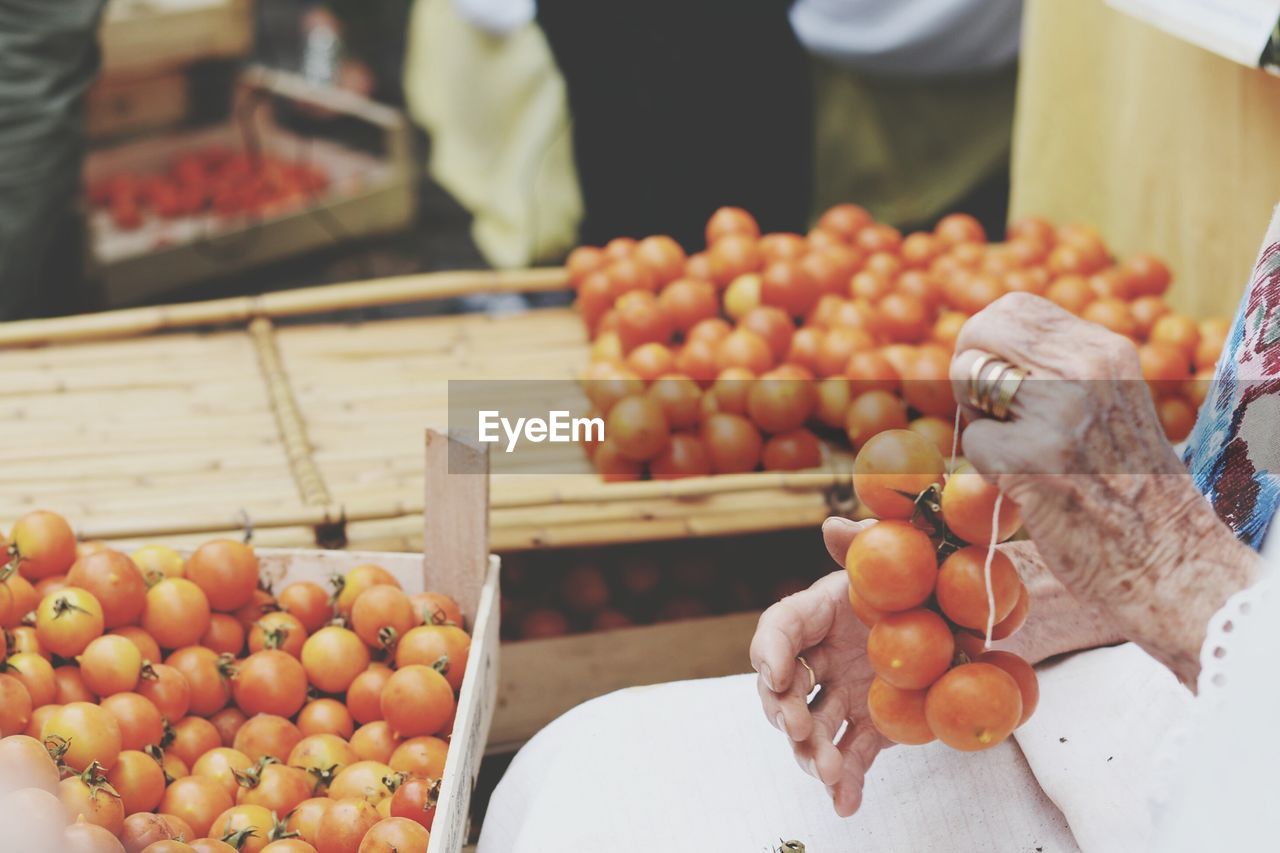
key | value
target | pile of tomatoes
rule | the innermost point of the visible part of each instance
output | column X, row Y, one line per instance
column 226, row 182
column 918, row 578
column 553, row 593
column 848, row 331
column 161, row 704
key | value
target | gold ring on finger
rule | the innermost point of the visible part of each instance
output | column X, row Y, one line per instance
column 975, row 377
column 1006, row 389
column 813, row 678
column 985, row 382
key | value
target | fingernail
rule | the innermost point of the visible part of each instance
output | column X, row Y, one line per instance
column 767, row 675
column 781, row 720
column 811, row 768
column 836, row 522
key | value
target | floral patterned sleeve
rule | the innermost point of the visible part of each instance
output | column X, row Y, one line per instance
column 1234, row 451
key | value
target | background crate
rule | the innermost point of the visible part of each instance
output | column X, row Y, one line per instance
column 368, row 193
column 148, row 35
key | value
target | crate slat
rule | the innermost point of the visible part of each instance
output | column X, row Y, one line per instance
column 158, row 423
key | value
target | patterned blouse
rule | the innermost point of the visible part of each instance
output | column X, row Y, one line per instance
column 1234, row 451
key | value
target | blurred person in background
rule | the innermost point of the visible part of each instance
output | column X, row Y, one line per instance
column 676, row 109
column 913, row 105
column 48, row 59
column 783, row 108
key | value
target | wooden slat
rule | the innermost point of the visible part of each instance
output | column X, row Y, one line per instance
column 144, row 425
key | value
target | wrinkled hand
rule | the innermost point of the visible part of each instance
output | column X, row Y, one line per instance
column 1103, row 494
column 819, row 624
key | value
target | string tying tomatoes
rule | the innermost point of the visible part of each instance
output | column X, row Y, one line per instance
column 986, row 568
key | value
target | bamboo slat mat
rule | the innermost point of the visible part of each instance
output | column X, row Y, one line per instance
column 184, row 422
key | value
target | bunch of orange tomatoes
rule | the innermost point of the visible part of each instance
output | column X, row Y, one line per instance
column 150, row 702
column 741, row 356
column 929, row 583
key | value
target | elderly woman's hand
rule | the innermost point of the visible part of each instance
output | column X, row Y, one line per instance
column 1107, row 501
column 819, row 624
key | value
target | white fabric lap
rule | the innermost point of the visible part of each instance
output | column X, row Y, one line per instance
column 694, row 766
column 1095, row 743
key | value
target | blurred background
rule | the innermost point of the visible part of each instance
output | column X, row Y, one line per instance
column 400, row 136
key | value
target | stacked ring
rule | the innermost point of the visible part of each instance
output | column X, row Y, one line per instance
column 993, row 383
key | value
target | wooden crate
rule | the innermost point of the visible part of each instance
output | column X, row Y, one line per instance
column 368, row 193
column 456, row 562
column 119, row 106
column 189, row 420
column 162, row 34
column 541, row 679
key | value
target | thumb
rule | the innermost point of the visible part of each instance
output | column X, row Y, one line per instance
column 838, row 534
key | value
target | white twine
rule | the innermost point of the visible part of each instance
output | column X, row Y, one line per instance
column 986, row 568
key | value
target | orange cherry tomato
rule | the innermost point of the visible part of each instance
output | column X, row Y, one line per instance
column 115, row 582
column 974, row 706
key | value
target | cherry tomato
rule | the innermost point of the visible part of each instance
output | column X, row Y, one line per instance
column 892, row 468
column 423, row 757
column 417, row 701
column 873, row 413
column 192, row 738
column 67, row 621
column 325, row 716
column 223, row 765
column 962, row 589
column 90, row 797
column 779, row 404
column 279, row 788
column 110, row 664
column 15, row 706
column 36, row 674
column 892, row 566
column 974, row 706
column 638, row 427
column 375, row 741
column 305, row 819
column 43, row 544
column 267, row 734
column 968, row 507
column 139, row 781
column 82, row 837
column 308, row 602
column 323, row 755
column 1022, row 674
column 249, row 826
column 444, row 647
column 333, row 657
column 845, row 220
column 83, row 733
column 115, row 582
column 364, row 694
column 395, row 834
column 176, row 613
column 796, row 450
column 344, row 825
column 226, row 571
column 733, row 443
column 208, row 678
column 898, row 714
column 147, row 645
column 157, row 562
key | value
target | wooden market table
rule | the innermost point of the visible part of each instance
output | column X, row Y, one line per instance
column 180, row 423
